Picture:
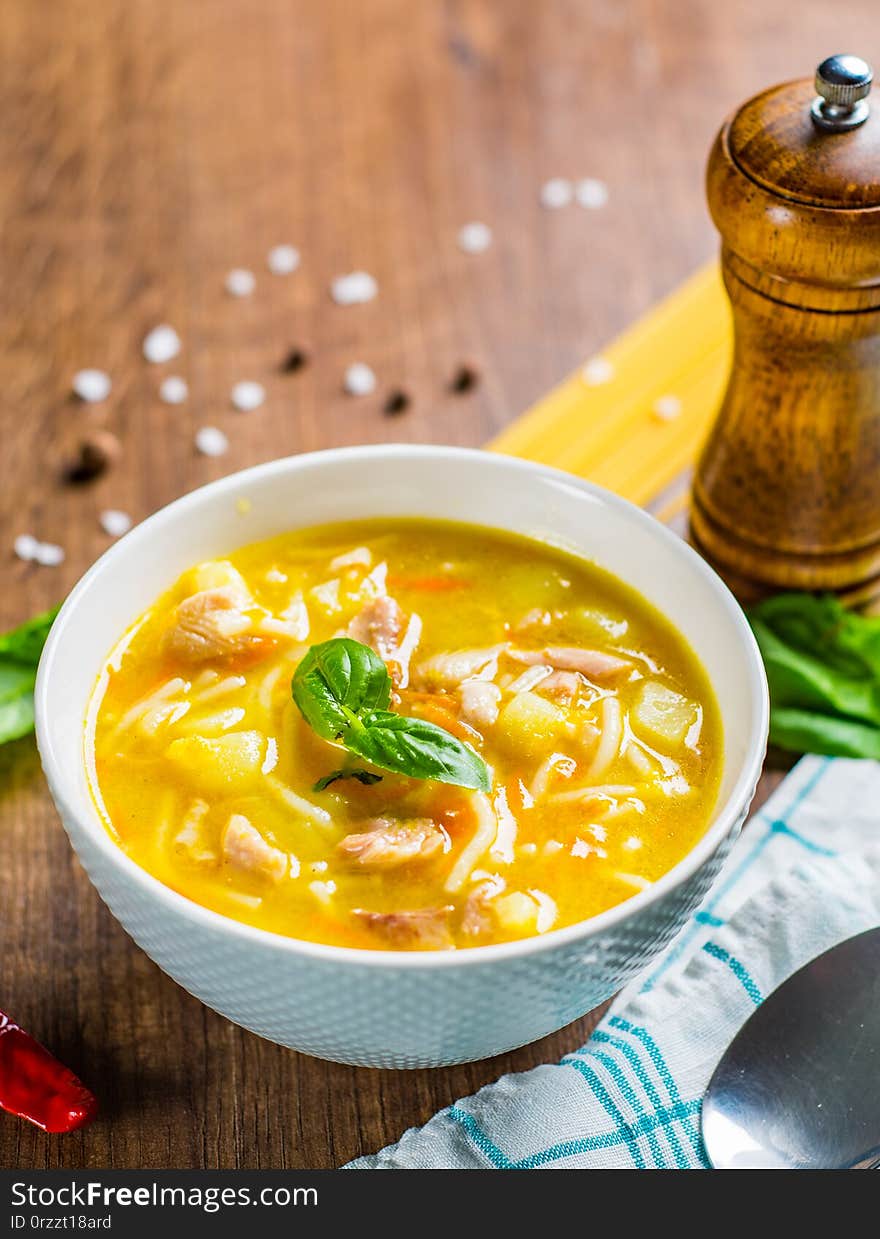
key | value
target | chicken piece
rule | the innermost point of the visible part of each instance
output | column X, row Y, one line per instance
column 246, row 849
column 360, row 557
column 536, row 618
column 447, row 671
column 189, row 840
column 387, row 844
column 382, row 625
column 480, row 700
column 562, row 686
column 211, row 624
column 594, row 664
column 425, row 929
column 477, row 915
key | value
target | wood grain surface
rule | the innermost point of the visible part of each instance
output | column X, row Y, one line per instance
column 147, row 147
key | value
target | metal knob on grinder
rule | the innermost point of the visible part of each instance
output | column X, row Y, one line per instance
column 843, row 84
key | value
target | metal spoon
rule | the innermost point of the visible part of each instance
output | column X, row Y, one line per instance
column 799, row 1085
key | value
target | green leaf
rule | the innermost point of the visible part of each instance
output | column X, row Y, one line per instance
column 19, row 655
column 807, row 681
column 25, row 643
column 363, row 776
column 419, row 749
column 823, row 668
column 336, row 682
column 342, row 689
column 16, row 700
column 800, row 731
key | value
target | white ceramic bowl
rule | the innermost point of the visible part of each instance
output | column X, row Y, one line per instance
column 380, row 1008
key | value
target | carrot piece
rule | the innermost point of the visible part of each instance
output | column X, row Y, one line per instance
column 433, row 712
column 514, row 791
column 254, row 652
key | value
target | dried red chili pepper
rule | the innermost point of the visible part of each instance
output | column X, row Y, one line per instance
column 36, row 1087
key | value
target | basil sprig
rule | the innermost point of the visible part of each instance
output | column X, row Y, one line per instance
column 823, row 667
column 362, row 776
column 343, row 689
column 19, row 655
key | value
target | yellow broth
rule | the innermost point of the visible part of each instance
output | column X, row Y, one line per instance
column 204, row 770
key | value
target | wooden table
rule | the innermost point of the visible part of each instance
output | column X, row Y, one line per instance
column 150, row 146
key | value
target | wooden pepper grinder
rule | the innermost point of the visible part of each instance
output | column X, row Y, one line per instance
column 787, row 491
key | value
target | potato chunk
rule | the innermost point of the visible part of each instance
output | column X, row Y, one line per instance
column 528, row 723
column 516, row 913
column 217, row 574
column 225, row 765
column 663, row 715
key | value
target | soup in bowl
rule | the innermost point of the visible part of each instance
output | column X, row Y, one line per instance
column 401, row 756
column 546, row 745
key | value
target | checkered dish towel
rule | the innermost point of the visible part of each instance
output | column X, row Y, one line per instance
column 803, row 876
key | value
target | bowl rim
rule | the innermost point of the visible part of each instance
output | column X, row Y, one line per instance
column 725, row 817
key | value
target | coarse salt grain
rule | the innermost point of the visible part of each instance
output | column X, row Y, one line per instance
column 597, row 370
column 26, row 546
column 556, row 193
column 91, row 385
column 115, row 522
column 211, row 442
column 48, row 554
column 173, row 390
column 161, row 344
column 474, row 237
column 283, row 259
column 359, row 379
column 667, row 408
column 247, row 395
column 591, row 193
column 240, row 282
column 354, row 288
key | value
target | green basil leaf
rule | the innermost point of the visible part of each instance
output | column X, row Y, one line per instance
column 807, row 681
column 16, row 700
column 342, row 689
column 801, row 731
column 363, row 776
column 418, row 749
column 823, row 668
column 25, row 643
column 820, row 625
column 19, row 655
column 338, row 681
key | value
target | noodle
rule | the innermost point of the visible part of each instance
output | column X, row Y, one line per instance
column 487, row 828
column 609, row 741
column 299, row 804
column 151, row 701
column 611, row 791
column 226, row 685
column 556, row 761
column 529, row 678
column 633, row 879
column 211, row 724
